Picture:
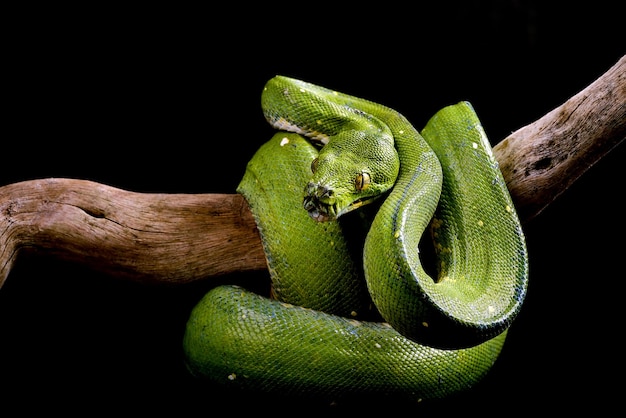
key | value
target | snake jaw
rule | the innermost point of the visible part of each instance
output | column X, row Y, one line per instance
column 324, row 205
column 320, row 203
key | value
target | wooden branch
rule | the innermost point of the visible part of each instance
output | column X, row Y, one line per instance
column 541, row 160
column 157, row 238
column 181, row 238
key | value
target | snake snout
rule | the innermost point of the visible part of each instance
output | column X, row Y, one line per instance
column 318, row 202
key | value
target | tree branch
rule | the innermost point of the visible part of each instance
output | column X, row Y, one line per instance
column 541, row 160
column 181, row 238
column 168, row 238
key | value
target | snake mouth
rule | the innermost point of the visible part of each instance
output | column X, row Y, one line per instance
column 318, row 210
column 324, row 208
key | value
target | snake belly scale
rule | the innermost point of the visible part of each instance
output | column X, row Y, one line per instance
column 352, row 309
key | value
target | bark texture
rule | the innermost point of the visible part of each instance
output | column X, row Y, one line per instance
column 541, row 160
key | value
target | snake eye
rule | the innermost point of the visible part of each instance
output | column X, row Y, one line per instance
column 314, row 165
column 362, row 181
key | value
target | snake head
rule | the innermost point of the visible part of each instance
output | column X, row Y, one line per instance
column 347, row 177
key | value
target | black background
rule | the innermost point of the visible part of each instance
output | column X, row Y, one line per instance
column 162, row 100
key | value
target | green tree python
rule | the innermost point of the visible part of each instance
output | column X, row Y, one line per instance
column 355, row 308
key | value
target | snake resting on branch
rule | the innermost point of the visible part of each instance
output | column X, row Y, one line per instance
column 344, row 196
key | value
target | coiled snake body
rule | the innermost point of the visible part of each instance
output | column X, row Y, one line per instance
column 353, row 310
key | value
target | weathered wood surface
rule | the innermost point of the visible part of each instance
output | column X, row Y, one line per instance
column 541, row 160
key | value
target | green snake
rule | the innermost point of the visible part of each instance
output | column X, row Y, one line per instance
column 355, row 308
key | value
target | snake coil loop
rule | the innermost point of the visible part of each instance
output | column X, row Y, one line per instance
column 430, row 337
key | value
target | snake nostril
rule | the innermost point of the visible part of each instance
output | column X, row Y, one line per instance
column 317, row 191
column 308, row 204
column 324, row 192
